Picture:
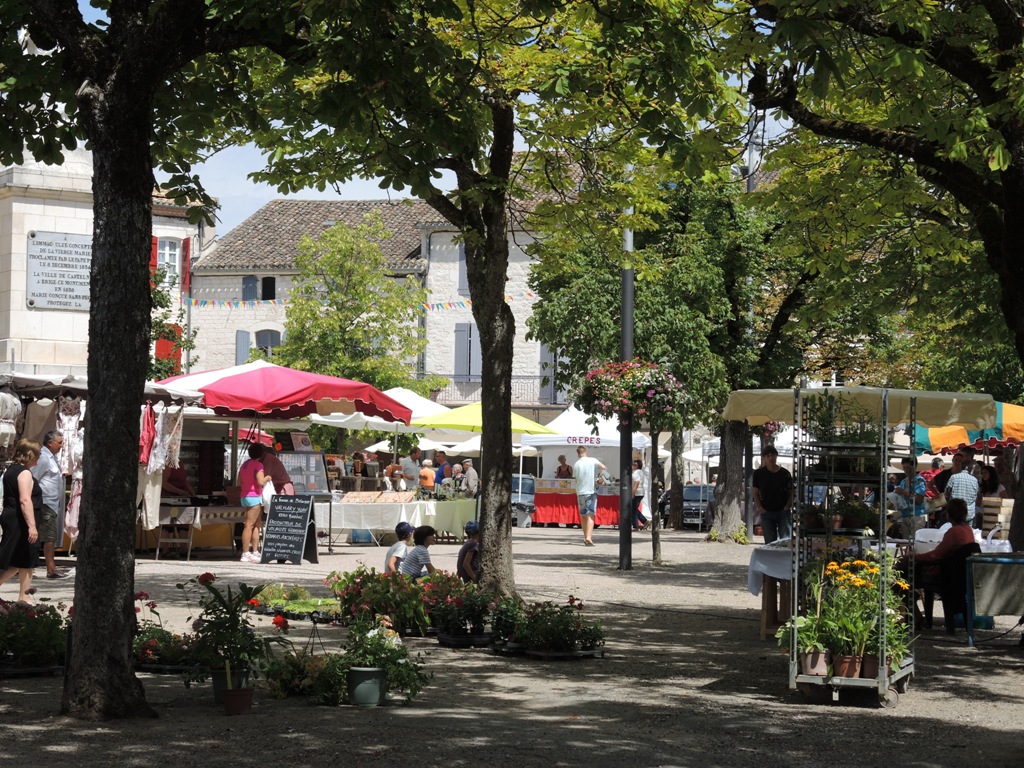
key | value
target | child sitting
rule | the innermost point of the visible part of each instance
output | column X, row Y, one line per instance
column 393, row 559
column 418, row 558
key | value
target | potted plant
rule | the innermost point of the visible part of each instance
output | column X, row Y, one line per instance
column 364, row 594
column 554, row 631
column 458, row 611
column 226, row 642
column 156, row 649
column 507, row 616
column 375, row 662
column 32, row 637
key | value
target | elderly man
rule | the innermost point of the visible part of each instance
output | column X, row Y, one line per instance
column 51, row 482
column 470, row 479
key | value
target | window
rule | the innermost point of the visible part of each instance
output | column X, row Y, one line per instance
column 269, row 289
column 467, row 352
column 168, row 259
column 266, row 340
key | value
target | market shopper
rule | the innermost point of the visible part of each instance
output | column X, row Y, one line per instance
column 444, row 468
column 411, row 469
column 51, row 483
column 639, row 521
column 470, row 479
column 22, row 504
column 276, row 472
column 251, row 478
column 911, row 490
column 427, row 476
column 964, row 485
column 563, row 471
column 586, row 471
column 773, row 496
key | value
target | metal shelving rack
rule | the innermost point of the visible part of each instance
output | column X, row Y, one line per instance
column 830, row 462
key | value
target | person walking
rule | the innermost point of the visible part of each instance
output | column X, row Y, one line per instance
column 773, row 496
column 23, row 502
column 51, row 482
column 585, row 472
column 470, row 479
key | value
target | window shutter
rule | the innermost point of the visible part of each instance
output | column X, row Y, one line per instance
column 475, row 359
column 186, row 265
column 249, row 288
column 463, row 274
column 168, row 349
column 462, row 354
column 547, row 375
column 154, row 259
column 241, row 346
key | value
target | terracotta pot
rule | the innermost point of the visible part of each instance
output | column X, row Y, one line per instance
column 238, row 701
column 837, row 522
column 846, row 666
column 869, row 667
column 815, row 663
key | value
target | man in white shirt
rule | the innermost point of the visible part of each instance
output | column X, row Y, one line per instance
column 586, row 471
column 51, row 482
column 470, row 479
column 411, row 469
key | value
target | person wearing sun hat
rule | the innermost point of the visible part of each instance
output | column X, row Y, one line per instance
column 468, row 563
column 396, row 553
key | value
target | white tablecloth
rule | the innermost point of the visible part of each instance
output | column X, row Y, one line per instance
column 776, row 562
column 442, row 515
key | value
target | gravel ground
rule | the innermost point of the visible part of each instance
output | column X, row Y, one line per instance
column 685, row 681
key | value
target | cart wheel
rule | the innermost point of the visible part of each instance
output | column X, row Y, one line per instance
column 903, row 684
column 889, row 699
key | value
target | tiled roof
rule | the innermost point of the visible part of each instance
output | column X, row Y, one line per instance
column 269, row 239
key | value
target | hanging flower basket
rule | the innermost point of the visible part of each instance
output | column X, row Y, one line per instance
column 646, row 391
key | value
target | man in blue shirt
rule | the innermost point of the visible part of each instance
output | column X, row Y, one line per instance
column 912, row 488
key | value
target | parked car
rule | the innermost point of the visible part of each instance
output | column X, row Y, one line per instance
column 522, row 496
column 698, row 505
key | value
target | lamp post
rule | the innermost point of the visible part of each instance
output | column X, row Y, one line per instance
column 626, row 417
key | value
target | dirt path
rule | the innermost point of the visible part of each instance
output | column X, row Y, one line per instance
column 685, row 682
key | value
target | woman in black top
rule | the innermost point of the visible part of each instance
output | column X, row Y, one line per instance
column 22, row 505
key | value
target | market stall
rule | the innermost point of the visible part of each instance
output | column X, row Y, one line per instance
column 554, row 499
column 845, row 438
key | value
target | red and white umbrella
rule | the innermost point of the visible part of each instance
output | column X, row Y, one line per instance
column 262, row 389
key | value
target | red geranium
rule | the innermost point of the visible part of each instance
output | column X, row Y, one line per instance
column 281, row 623
column 206, row 578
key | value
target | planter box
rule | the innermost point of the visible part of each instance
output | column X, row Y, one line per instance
column 464, row 641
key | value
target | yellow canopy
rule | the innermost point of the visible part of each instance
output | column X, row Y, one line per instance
column 470, row 419
column 934, row 409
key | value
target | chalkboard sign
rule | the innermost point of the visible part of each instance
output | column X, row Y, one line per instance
column 290, row 532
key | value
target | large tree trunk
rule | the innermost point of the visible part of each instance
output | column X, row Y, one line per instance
column 101, row 682
column 729, row 507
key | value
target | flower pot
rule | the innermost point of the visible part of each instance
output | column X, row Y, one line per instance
column 815, row 663
column 869, row 666
column 239, row 679
column 837, row 522
column 367, row 686
column 238, row 701
column 846, row 666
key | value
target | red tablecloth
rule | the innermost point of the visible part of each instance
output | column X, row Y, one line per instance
column 563, row 508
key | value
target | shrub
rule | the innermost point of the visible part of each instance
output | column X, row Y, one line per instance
column 364, row 594
column 548, row 627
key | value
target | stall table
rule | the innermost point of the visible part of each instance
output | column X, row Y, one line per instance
column 195, row 518
column 770, row 574
column 381, row 518
column 555, row 502
column 995, row 587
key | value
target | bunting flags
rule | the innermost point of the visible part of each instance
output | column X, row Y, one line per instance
column 439, row 306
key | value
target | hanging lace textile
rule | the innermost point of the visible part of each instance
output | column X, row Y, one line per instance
column 167, row 443
column 75, row 500
column 147, row 433
column 69, row 415
column 10, row 407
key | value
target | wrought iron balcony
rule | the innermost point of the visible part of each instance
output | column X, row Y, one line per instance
column 526, row 390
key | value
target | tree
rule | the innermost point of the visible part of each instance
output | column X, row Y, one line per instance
column 408, row 96
column 935, row 85
column 103, row 83
column 346, row 315
column 168, row 327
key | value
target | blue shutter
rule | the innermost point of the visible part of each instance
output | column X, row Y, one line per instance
column 462, row 358
column 475, row 359
column 463, row 274
column 241, row 346
column 250, row 288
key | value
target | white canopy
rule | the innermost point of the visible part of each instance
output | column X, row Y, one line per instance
column 934, row 409
column 471, row 447
column 573, row 430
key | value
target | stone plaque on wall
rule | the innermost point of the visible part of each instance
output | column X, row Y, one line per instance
column 58, row 271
